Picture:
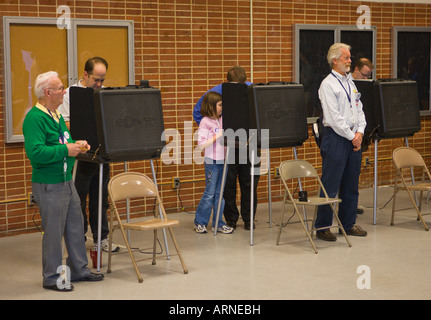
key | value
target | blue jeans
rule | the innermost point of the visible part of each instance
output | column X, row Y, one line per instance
column 211, row 195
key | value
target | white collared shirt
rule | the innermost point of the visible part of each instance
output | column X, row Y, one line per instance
column 343, row 116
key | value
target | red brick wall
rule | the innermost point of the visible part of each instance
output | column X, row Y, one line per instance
column 184, row 47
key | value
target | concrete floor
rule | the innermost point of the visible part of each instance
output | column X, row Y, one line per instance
column 227, row 267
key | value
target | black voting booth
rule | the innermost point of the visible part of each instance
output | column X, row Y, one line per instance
column 120, row 124
column 278, row 107
column 391, row 108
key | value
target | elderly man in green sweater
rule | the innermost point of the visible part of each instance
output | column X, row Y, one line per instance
column 51, row 151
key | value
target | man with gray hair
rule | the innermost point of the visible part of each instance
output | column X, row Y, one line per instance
column 344, row 125
column 52, row 152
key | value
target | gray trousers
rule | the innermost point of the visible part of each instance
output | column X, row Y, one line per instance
column 60, row 210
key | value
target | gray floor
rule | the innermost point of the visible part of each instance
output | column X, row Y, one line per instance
column 227, row 267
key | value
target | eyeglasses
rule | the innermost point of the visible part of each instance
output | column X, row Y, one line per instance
column 365, row 75
column 58, row 89
column 96, row 79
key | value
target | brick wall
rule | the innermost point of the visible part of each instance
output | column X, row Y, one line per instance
column 184, row 47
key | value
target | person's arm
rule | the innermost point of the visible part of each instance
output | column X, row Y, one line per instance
column 35, row 144
column 197, row 108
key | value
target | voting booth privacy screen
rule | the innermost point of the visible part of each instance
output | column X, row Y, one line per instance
column 280, row 108
column 128, row 122
column 391, row 107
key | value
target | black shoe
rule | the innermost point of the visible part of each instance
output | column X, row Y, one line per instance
column 360, row 211
column 54, row 287
column 247, row 225
column 326, row 235
column 231, row 224
column 91, row 277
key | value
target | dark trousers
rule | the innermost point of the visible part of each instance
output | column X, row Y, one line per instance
column 242, row 172
column 87, row 183
column 341, row 167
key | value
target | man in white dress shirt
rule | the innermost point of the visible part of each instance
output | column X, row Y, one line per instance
column 344, row 124
column 87, row 173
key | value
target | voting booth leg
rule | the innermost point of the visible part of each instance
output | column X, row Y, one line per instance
column 269, row 191
column 221, row 190
column 99, row 220
column 375, row 181
column 160, row 210
column 252, row 173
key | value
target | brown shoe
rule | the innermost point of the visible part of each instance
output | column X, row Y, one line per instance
column 356, row 231
column 326, row 235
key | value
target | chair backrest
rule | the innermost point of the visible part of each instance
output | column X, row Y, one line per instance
column 405, row 157
column 293, row 169
column 129, row 185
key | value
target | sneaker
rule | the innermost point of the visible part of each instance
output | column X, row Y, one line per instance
column 200, row 228
column 105, row 246
column 326, row 235
column 224, row 229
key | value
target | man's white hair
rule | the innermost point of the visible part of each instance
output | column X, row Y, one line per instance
column 42, row 82
column 334, row 52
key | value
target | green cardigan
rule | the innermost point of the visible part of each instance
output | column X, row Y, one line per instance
column 42, row 144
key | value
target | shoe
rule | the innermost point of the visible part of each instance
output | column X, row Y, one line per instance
column 356, row 231
column 54, row 287
column 91, row 277
column 231, row 224
column 247, row 225
column 200, row 228
column 360, row 211
column 224, row 229
column 104, row 244
column 326, row 235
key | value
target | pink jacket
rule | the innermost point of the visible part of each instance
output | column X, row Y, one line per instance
column 208, row 128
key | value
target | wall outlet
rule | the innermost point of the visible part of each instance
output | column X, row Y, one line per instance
column 175, row 183
column 277, row 173
column 31, row 200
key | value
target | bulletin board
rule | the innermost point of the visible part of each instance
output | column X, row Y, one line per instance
column 37, row 45
column 27, row 54
column 91, row 42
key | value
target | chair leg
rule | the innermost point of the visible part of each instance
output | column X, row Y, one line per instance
column 281, row 221
column 340, row 226
column 178, row 250
column 420, row 203
column 154, row 247
column 393, row 205
column 305, row 228
column 131, row 254
column 417, row 210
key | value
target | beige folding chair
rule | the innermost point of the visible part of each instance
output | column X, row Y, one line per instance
column 131, row 185
column 296, row 169
column 405, row 159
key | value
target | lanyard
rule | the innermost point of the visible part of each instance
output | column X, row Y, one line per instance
column 62, row 141
column 348, row 95
column 59, row 127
